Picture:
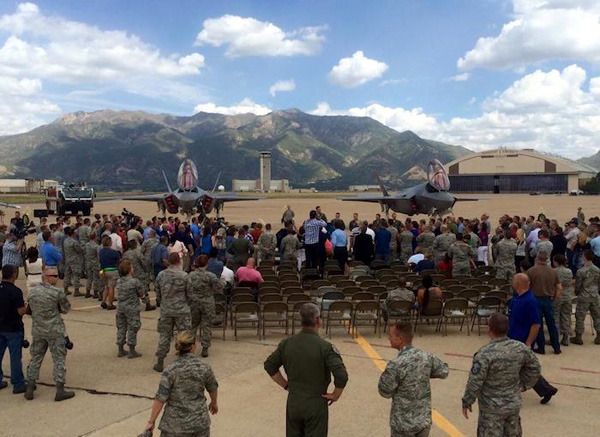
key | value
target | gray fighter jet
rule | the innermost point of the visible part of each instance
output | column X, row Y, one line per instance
column 431, row 198
column 8, row 205
column 188, row 198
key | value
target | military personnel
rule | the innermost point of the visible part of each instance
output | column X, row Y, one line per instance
column 500, row 371
column 309, row 361
column 289, row 245
column 266, row 245
column 140, row 270
column 73, row 262
column 202, row 286
column 564, row 306
column 586, row 288
column 442, row 243
column 92, row 267
column 172, row 298
column 83, row 235
column 406, row 245
column 504, row 253
column 58, row 237
column 147, row 246
column 543, row 244
column 405, row 380
column 393, row 241
column 129, row 290
column 461, row 255
column 425, row 239
column 580, row 216
column 46, row 304
column 181, row 393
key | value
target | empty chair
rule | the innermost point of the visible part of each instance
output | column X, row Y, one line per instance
column 455, row 288
column 329, row 297
column 246, row 315
column 295, row 316
column 271, row 297
column 376, row 289
column 366, row 313
column 398, row 311
column 456, row 309
column 345, row 283
column 297, row 297
column 363, row 295
column 318, row 283
column 338, row 313
column 355, row 263
column 369, row 283
column 274, row 314
column 310, row 274
column 335, row 279
column 349, row 291
column 482, row 288
column 449, row 282
column 242, row 290
column 361, row 278
column 497, row 282
column 461, row 278
column 379, row 264
column 220, row 316
column 470, row 282
column 325, row 289
column 268, row 290
column 388, row 278
column 286, row 291
column 433, row 311
column 486, row 306
column 499, row 294
column 382, row 272
column 242, row 297
column 399, row 268
column 507, row 288
column 285, row 284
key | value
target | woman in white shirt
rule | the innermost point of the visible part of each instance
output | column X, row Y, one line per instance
column 33, row 268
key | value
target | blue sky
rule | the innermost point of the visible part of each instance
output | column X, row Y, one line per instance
column 487, row 73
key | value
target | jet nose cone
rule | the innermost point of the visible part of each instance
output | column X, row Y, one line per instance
column 187, row 177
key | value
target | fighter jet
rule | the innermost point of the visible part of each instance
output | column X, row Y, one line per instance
column 9, row 205
column 188, row 198
column 431, row 198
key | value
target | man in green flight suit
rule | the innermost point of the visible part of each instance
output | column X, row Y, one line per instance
column 309, row 361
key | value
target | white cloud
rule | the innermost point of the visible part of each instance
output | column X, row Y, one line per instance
column 19, row 87
column 462, row 77
column 246, row 106
column 541, row 30
column 246, row 36
column 356, row 70
column 549, row 111
column 282, row 86
column 392, row 82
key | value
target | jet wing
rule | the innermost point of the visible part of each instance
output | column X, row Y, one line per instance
column 225, row 196
column 375, row 198
column 9, row 205
column 467, row 199
column 141, row 197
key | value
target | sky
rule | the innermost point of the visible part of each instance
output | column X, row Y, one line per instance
column 479, row 73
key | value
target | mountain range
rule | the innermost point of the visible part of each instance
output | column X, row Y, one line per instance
column 126, row 150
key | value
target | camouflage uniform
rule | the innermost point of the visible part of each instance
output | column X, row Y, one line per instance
column 564, row 307
column 47, row 303
column 59, row 238
column 504, row 255
column 586, row 287
column 425, row 241
column 501, row 369
column 441, row 244
column 172, row 294
column 393, row 242
column 92, row 267
column 83, row 235
column 140, row 271
column 544, row 246
column 461, row 254
column 406, row 245
column 181, row 388
column 129, row 290
column 406, row 381
column 73, row 263
column 146, row 249
column 289, row 245
column 202, row 286
column 267, row 244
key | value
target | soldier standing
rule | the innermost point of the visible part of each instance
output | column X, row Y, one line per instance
column 46, row 304
column 267, row 243
column 129, row 290
column 442, row 243
column 586, row 288
column 92, row 267
column 140, row 270
column 83, row 235
column 309, row 361
column 172, row 298
column 504, row 254
column 202, row 286
column 406, row 381
column 500, row 371
column 564, row 306
column 462, row 257
column 73, row 262
column 406, row 245
column 181, row 393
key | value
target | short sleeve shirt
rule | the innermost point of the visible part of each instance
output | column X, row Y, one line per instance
column 11, row 298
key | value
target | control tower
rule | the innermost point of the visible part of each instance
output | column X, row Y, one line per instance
column 265, row 171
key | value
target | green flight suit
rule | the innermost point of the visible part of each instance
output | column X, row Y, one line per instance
column 309, row 361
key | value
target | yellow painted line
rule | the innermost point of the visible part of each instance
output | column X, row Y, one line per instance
column 439, row 420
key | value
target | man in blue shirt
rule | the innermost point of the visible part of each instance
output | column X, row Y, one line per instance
column 524, row 324
column 51, row 256
column 160, row 255
column 340, row 244
column 595, row 246
column 383, row 237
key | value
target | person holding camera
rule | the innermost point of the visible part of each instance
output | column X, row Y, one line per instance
column 12, row 308
column 11, row 251
column 46, row 304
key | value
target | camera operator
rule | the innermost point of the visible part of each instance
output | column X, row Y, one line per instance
column 11, row 251
column 12, row 308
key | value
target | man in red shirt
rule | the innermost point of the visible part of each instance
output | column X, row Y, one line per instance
column 248, row 275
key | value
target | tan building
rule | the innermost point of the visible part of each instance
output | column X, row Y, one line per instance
column 26, row 186
column 516, row 171
column 276, row 185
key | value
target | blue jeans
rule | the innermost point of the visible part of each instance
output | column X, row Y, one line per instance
column 546, row 312
column 14, row 342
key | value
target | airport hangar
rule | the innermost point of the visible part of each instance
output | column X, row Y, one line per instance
column 516, row 171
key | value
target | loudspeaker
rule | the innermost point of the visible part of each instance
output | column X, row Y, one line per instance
column 39, row 213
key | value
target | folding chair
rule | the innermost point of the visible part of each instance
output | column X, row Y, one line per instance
column 268, row 290
column 471, row 282
column 486, row 306
column 361, row 278
column 366, row 313
column 328, row 298
column 482, row 288
column 377, row 289
column 335, row 279
column 274, row 314
column 285, row 284
column 383, row 272
column 379, row 264
column 291, row 290
column 447, row 295
column 432, row 312
column 297, row 297
column 455, row 309
column 349, row 291
column 271, row 297
column 295, row 316
column 369, row 283
column 339, row 312
column 388, row 278
column 242, row 290
column 398, row 311
column 246, row 314
column 355, row 264
column 457, row 288
column 345, row 283
column 363, row 295
column 448, row 282
column 309, row 274
column 220, row 316
column 240, row 298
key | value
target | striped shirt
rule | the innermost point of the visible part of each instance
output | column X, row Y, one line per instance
column 11, row 254
column 312, row 228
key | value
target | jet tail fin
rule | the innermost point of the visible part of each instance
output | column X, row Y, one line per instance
column 217, row 182
column 167, row 181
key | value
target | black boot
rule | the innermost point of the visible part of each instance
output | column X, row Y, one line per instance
column 204, row 352
column 133, row 353
column 159, row 366
column 122, row 352
column 29, row 391
column 61, row 393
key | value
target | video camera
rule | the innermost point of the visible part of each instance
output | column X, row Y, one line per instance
column 130, row 218
column 23, row 231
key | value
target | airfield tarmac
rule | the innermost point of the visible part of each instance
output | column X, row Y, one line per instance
column 114, row 395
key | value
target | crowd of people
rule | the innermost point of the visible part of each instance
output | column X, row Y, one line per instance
column 122, row 258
